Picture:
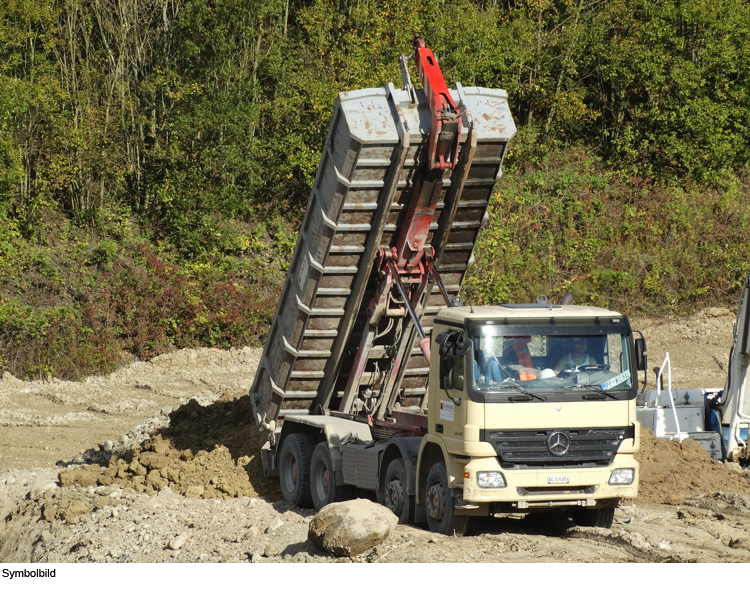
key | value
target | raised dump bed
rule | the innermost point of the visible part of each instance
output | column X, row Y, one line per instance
column 377, row 141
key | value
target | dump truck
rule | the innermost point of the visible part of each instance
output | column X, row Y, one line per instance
column 376, row 378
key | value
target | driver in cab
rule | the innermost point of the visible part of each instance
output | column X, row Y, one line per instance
column 578, row 358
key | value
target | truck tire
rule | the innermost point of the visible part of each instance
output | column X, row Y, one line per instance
column 294, row 469
column 396, row 497
column 439, row 505
column 602, row 517
column 323, row 487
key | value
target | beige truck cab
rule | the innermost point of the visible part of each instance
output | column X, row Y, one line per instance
column 532, row 407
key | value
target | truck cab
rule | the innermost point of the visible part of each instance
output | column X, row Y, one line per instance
column 533, row 408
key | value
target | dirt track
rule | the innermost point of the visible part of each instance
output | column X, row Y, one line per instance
column 195, row 491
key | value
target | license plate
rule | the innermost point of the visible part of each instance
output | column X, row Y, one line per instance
column 558, row 479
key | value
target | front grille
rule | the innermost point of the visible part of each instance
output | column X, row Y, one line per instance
column 519, row 448
column 555, row 490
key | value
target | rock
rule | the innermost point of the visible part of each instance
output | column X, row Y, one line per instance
column 106, row 491
column 84, row 477
column 352, row 527
column 155, row 480
column 108, row 445
column 178, row 542
column 42, row 486
column 194, row 492
column 274, row 526
column 153, row 461
column 75, row 511
column 636, row 540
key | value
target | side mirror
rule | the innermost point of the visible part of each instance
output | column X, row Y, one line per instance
column 641, row 356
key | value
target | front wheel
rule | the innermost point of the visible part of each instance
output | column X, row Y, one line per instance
column 439, row 504
column 602, row 517
column 323, row 485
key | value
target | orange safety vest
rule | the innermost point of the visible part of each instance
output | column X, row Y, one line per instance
column 521, row 346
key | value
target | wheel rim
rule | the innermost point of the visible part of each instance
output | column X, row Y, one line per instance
column 321, row 481
column 436, row 501
column 290, row 472
column 394, row 496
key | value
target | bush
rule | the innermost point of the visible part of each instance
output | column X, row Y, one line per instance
column 54, row 341
column 611, row 238
column 151, row 307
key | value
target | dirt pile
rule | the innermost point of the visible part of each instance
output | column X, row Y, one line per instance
column 208, row 452
column 213, row 452
column 671, row 471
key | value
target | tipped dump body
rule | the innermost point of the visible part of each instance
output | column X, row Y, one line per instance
column 376, row 144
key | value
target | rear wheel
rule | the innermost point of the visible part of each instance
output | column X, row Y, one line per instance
column 602, row 517
column 323, row 485
column 439, row 505
column 396, row 497
column 294, row 469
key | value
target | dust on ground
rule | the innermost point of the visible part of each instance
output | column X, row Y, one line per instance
column 160, row 462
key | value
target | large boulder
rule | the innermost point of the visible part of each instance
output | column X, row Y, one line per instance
column 351, row 527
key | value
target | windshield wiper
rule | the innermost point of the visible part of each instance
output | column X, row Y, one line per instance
column 598, row 390
column 527, row 396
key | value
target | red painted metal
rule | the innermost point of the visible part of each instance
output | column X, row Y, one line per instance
column 406, row 265
column 446, row 115
column 421, row 210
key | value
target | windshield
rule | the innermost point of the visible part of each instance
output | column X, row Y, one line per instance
column 574, row 358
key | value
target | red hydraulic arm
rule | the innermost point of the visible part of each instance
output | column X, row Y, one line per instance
column 446, row 115
column 409, row 265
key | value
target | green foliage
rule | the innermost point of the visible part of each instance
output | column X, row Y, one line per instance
column 52, row 341
column 570, row 224
column 151, row 307
column 156, row 156
column 673, row 84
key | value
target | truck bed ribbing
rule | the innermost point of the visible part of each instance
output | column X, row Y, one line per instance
column 377, row 144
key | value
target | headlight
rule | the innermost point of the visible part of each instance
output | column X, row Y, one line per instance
column 490, row 480
column 622, row 476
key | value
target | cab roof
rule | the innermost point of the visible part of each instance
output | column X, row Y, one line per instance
column 518, row 311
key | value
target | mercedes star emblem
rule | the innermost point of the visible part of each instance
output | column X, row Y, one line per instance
column 558, row 443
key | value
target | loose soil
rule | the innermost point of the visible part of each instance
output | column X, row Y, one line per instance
column 160, row 462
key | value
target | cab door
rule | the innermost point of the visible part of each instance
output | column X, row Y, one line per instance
column 448, row 396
